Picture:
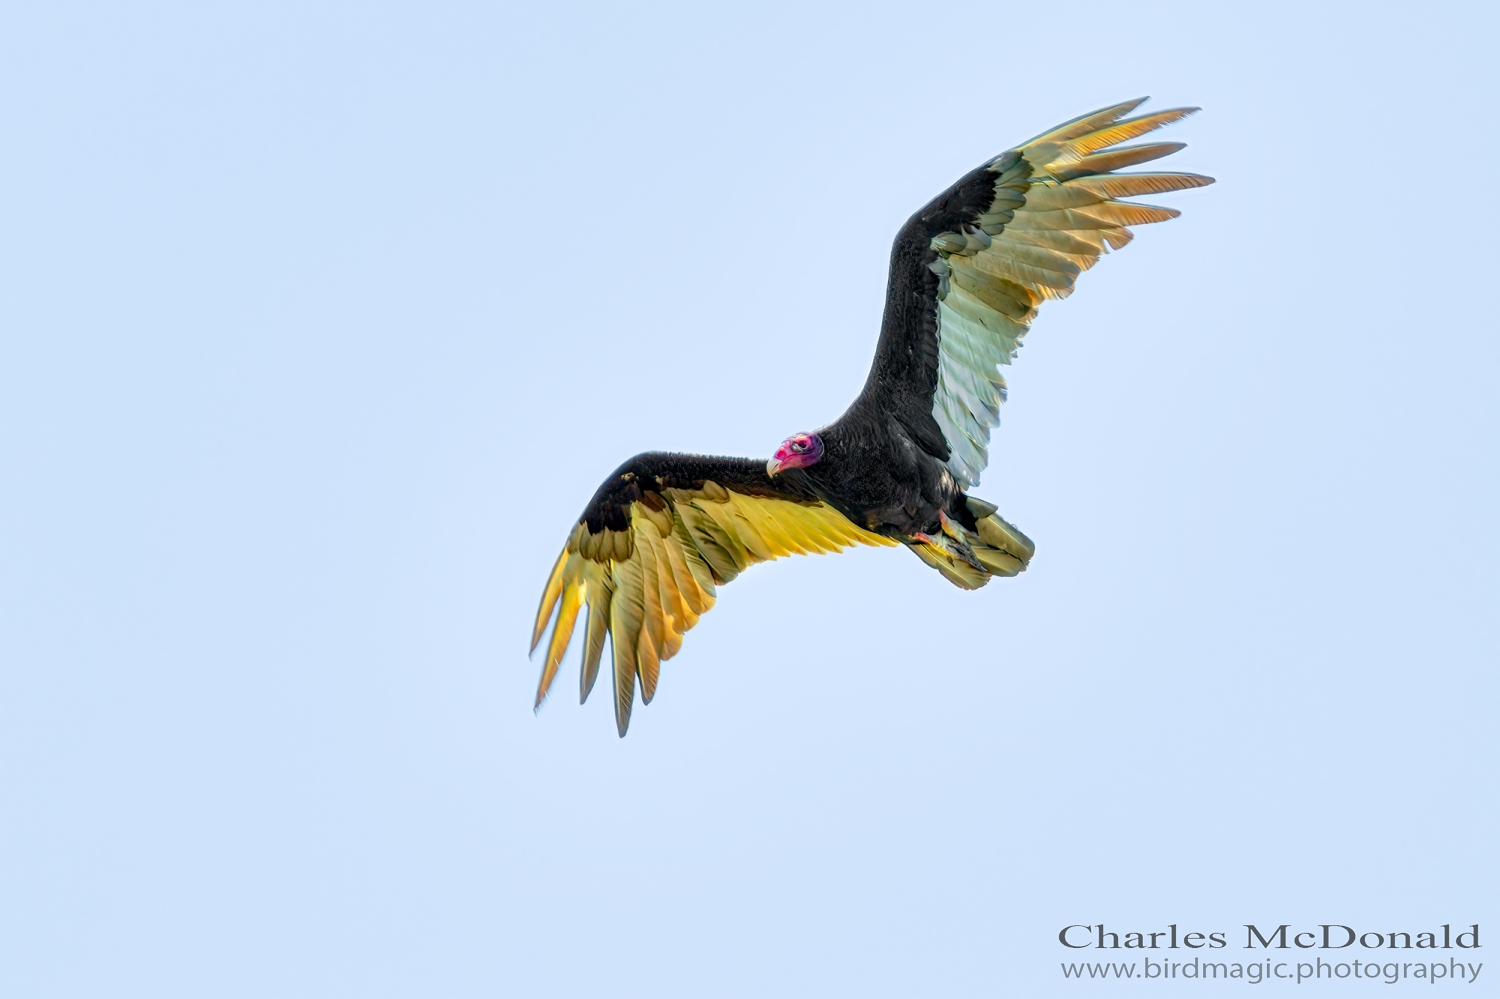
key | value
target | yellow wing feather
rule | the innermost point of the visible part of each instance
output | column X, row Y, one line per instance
column 646, row 586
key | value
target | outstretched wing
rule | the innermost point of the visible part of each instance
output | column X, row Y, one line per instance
column 657, row 538
column 969, row 270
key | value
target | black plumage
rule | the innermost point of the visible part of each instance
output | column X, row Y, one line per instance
column 650, row 473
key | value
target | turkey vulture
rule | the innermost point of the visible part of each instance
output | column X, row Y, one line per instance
column 967, row 274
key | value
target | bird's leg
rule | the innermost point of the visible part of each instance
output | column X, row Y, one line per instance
column 955, row 531
column 954, row 544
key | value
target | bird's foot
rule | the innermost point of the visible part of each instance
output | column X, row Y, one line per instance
column 953, row 545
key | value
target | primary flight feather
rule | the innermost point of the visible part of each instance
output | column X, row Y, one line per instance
column 968, row 272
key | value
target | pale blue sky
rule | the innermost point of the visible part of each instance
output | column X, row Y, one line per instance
column 320, row 323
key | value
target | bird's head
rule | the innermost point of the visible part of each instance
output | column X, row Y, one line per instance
column 797, row 451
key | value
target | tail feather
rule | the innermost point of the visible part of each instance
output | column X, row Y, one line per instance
column 999, row 563
column 1007, row 537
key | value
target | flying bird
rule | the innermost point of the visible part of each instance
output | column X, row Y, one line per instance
column 967, row 274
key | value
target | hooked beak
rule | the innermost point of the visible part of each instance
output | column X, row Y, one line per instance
column 773, row 466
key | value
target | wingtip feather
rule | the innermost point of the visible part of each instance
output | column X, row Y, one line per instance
column 550, row 594
column 1085, row 123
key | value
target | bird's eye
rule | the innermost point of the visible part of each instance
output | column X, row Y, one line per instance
column 798, row 446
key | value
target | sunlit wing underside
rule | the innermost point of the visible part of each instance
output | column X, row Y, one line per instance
column 1055, row 213
column 646, row 586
